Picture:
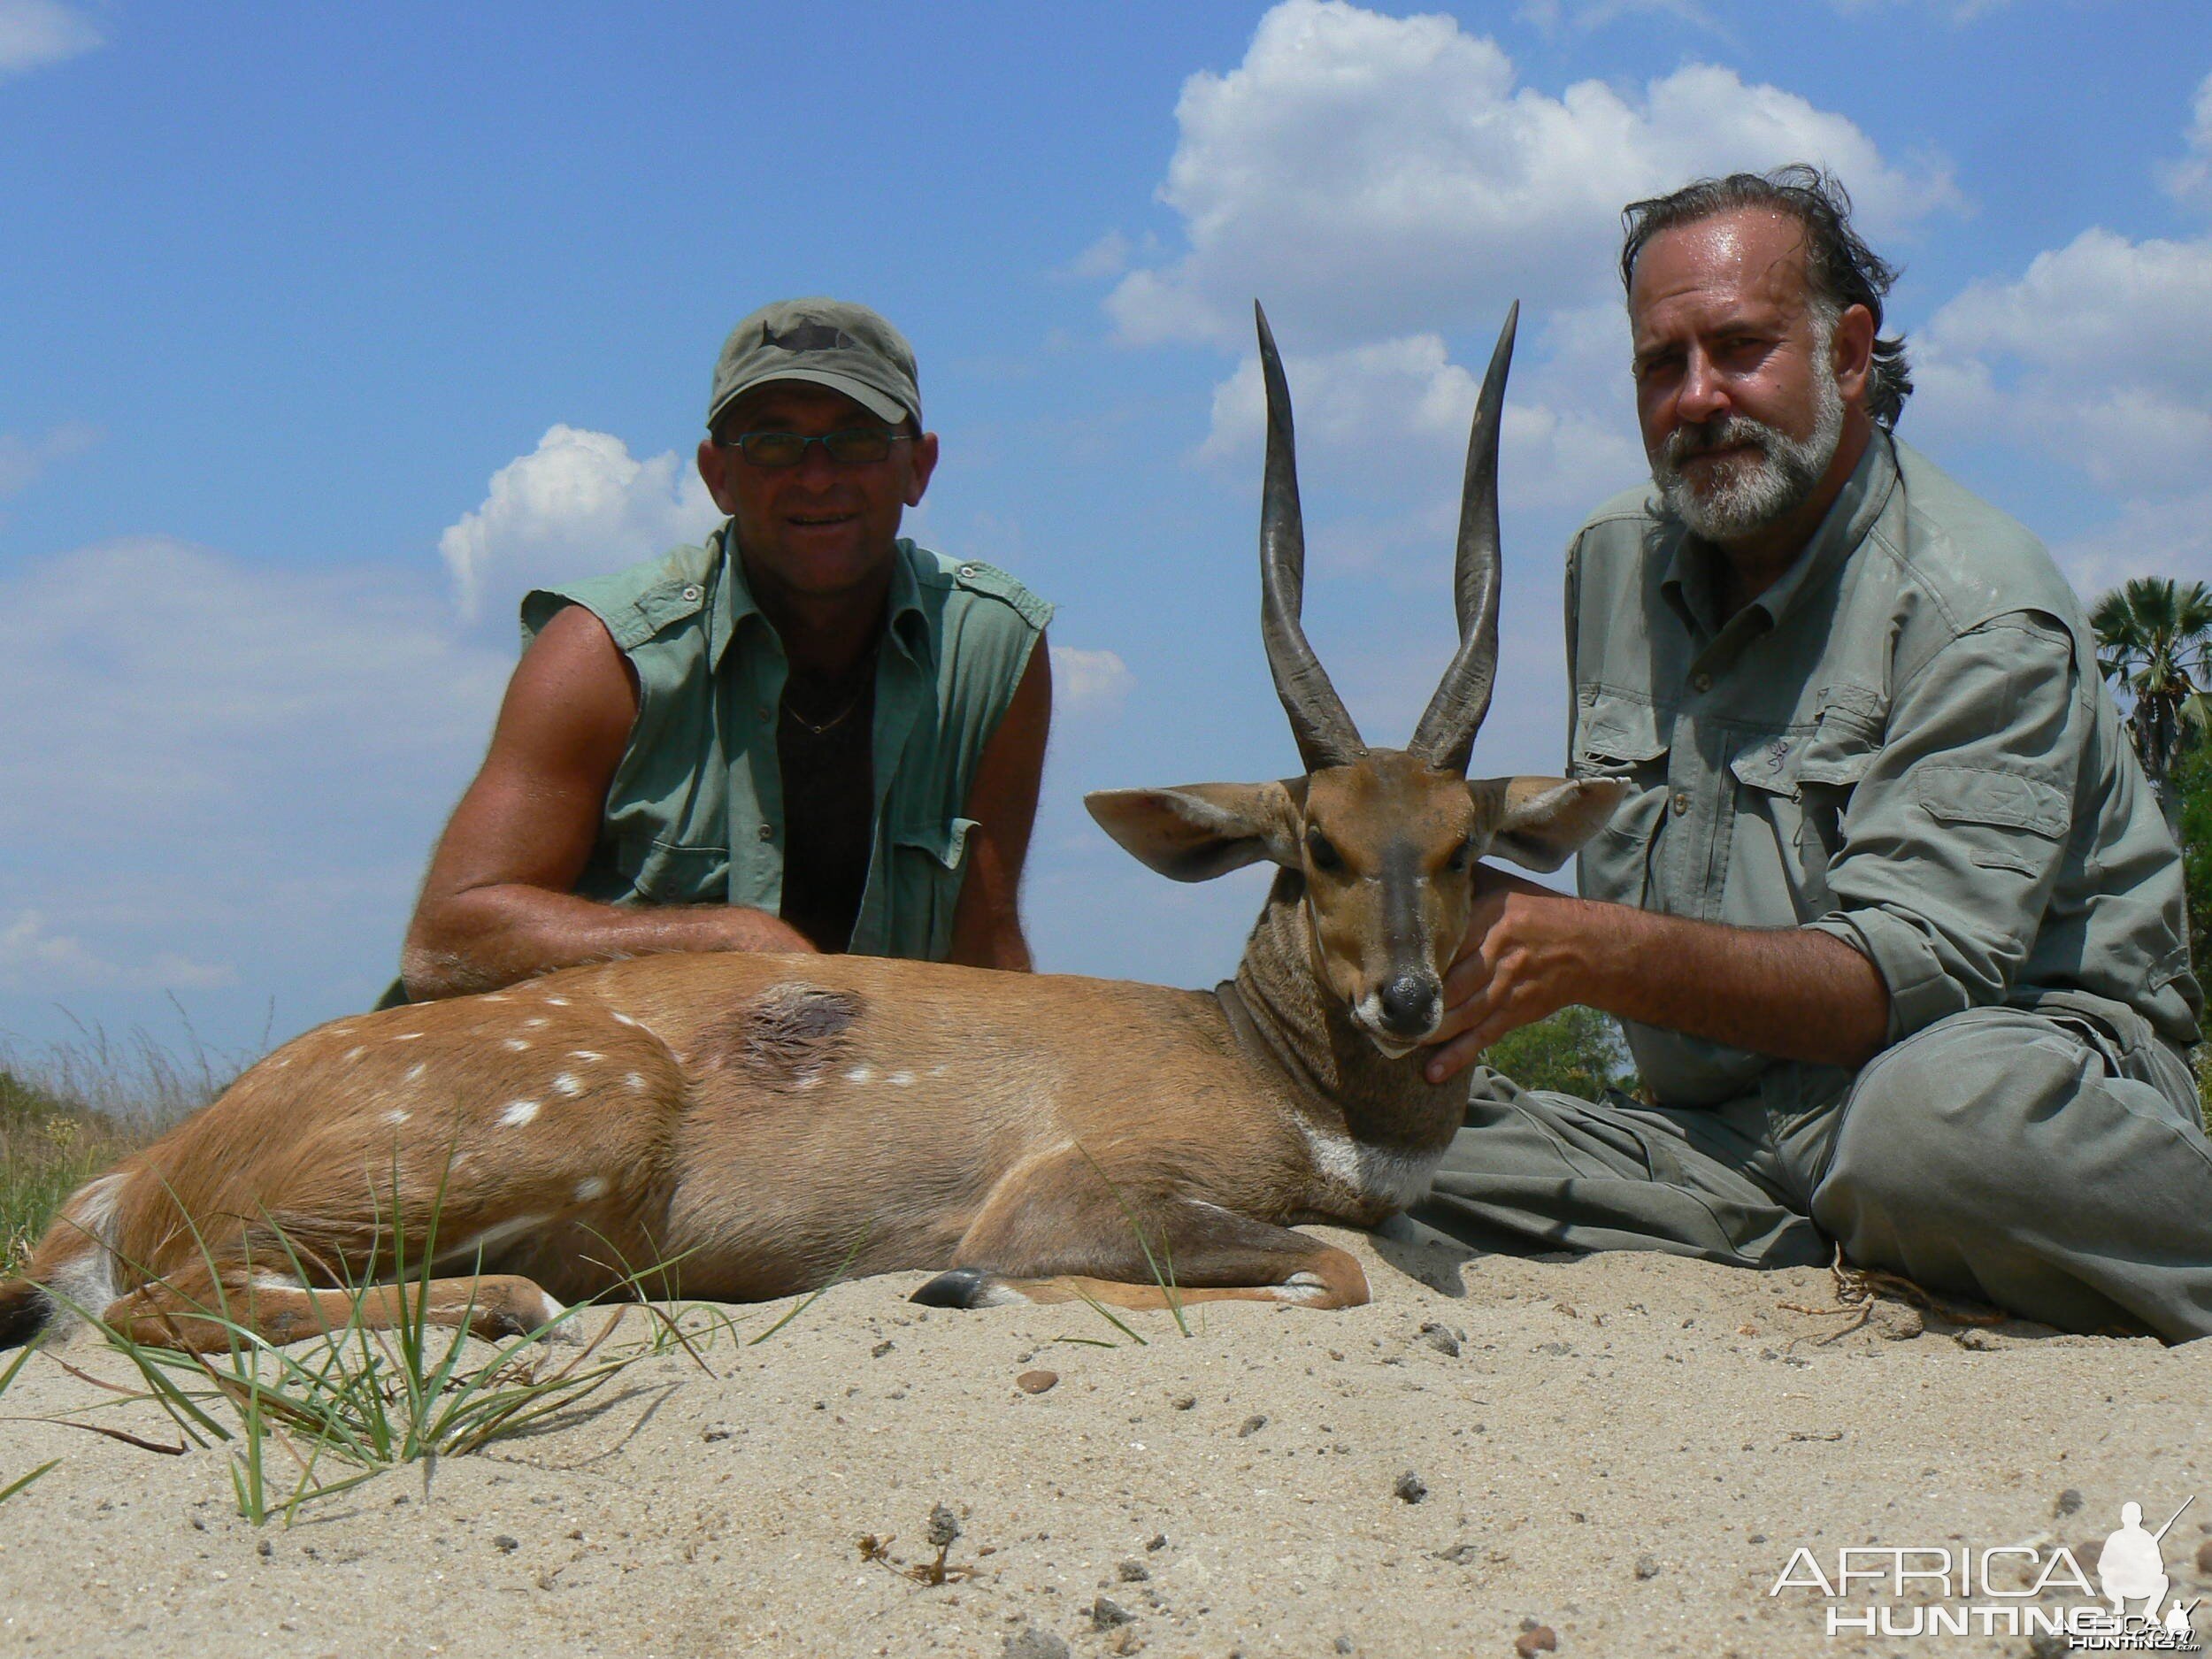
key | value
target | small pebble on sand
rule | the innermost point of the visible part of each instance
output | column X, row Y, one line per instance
column 1531, row 1642
column 1032, row 1643
column 1252, row 1425
column 1647, row 1566
column 1134, row 1571
column 1105, row 1614
column 1035, row 1382
column 1410, row 1488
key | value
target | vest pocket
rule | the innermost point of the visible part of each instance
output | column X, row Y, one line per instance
column 928, row 860
column 673, row 874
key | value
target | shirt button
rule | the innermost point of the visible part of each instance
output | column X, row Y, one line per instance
column 690, row 593
column 767, row 832
column 1701, row 682
column 967, row 570
column 1680, row 803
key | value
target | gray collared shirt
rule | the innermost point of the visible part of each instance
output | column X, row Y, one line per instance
column 1904, row 742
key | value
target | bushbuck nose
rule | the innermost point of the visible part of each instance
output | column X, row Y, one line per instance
column 1410, row 1003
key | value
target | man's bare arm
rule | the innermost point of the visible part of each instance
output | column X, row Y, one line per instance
column 1530, row 952
column 495, row 906
column 987, row 929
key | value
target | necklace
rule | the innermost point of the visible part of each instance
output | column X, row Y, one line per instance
column 822, row 728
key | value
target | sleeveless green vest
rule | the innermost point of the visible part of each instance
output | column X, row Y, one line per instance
column 694, row 813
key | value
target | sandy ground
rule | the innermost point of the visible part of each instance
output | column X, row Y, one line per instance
column 1626, row 1450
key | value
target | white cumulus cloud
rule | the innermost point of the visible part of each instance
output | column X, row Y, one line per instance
column 1392, row 418
column 579, row 505
column 36, row 33
column 1085, row 681
column 1372, row 177
column 2100, row 354
column 2190, row 179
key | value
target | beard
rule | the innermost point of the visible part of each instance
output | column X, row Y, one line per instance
column 1746, row 491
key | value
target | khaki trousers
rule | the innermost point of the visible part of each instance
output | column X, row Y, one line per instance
column 2050, row 1160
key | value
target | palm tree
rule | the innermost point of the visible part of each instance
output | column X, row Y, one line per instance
column 2154, row 640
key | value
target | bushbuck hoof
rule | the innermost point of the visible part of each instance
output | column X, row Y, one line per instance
column 959, row 1287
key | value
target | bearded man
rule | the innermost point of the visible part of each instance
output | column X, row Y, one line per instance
column 1891, row 918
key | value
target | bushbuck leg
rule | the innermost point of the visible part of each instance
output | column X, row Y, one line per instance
column 1061, row 1229
column 195, row 1309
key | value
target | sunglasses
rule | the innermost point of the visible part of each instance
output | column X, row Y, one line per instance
column 854, row 446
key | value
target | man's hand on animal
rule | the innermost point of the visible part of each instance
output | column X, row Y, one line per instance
column 1531, row 951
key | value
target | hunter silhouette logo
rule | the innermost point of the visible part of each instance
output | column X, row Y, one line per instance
column 2132, row 1567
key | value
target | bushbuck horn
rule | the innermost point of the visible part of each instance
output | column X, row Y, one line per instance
column 1446, row 733
column 1325, row 734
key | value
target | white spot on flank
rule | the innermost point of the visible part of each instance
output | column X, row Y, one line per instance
column 626, row 1020
column 540, row 1021
column 861, row 1074
column 566, row 1083
column 556, row 1001
column 407, row 1036
column 585, row 1054
column 281, row 1060
column 937, row 1070
column 519, row 1114
column 495, row 999
column 397, row 1117
column 354, row 1054
column 590, row 1188
column 415, row 1071
column 902, row 1079
column 516, row 1043
column 636, row 1079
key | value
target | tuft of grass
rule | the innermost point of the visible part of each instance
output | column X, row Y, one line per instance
column 7, row 1378
column 51, row 1144
column 2204, row 1083
column 359, row 1400
column 70, row 1110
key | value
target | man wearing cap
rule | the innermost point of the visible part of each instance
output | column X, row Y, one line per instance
column 806, row 733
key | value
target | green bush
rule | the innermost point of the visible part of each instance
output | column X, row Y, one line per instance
column 50, row 1146
column 1577, row 1051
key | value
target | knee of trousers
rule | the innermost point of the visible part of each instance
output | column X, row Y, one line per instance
column 1937, row 1130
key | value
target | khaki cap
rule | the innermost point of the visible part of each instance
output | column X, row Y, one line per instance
column 829, row 343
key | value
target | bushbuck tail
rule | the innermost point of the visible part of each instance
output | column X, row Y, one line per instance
column 760, row 1123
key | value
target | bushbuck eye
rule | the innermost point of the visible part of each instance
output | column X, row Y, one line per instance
column 1461, row 854
column 1322, row 851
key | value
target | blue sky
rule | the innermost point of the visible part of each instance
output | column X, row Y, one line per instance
column 328, row 331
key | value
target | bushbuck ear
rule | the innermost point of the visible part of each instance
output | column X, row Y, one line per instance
column 1541, row 821
column 1202, row 830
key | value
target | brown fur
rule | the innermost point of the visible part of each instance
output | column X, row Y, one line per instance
column 754, row 1124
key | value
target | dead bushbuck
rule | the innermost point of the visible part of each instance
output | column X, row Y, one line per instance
column 763, row 1122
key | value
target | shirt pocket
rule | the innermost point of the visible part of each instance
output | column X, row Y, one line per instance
column 1988, row 809
column 672, row 874
column 928, row 860
column 1624, row 738
column 1800, row 782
